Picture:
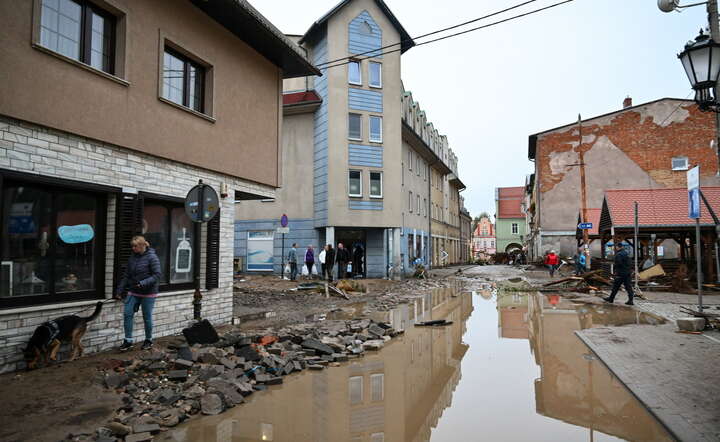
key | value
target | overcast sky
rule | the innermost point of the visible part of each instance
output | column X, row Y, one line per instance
column 488, row 90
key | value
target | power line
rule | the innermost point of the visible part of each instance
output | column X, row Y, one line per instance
column 428, row 34
column 457, row 33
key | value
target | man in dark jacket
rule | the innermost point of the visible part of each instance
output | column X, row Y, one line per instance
column 329, row 262
column 140, row 284
column 343, row 257
column 623, row 273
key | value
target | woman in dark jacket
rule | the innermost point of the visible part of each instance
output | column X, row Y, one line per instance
column 140, row 285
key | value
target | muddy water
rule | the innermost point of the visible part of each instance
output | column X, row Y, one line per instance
column 509, row 368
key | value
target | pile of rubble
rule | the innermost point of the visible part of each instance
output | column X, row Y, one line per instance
column 163, row 388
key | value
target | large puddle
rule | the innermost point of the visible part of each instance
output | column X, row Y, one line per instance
column 509, row 368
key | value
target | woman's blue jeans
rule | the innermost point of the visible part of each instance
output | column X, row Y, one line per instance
column 132, row 303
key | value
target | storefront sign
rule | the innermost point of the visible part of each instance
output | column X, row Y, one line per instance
column 76, row 234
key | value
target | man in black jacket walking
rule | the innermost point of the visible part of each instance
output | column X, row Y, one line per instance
column 623, row 272
column 343, row 257
column 329, row 262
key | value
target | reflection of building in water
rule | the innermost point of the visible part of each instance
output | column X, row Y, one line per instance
column 576, row 388
column 513, row 315
column 398, row 394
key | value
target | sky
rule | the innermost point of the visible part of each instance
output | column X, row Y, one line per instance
column 488, row 90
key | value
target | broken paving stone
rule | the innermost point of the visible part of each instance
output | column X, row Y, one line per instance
column 119, row 429
column 315, row 367
column 182, row 363
column 209, row 358
column 259, row 387
column 167, row 396
column 262, row 377
column 211, row 404
column 146, row 428
column 116, row 380
column 248, row 353
column 376, row 330
column 318, row 346
column 227, row 363
column 139, row 437
column 274, row 381
column 194, row 392
column 339, row 357
column 208, row 373
column 186, row 353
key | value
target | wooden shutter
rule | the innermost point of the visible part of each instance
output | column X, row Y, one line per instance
column 128, row 223
column 212, row 269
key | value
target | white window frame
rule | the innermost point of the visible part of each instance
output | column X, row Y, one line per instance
column 378, row 85
column 425, row 207
column 370, row 174
column 515, row 228
column 685, row 167
column 410, row 159
column 373, row 382
column 418, row 204
column 351, row 380
column 410, row 206
column 359, row 195
column 359, row 65
column 361, row 126
column 375, row 140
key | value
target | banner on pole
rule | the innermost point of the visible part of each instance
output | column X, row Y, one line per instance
column 693, row 183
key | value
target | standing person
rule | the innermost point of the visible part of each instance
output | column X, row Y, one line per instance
column 292, row 260
column 329, row 261
column 580, row 261
column 358, row 254
column 309, row 259
column 552, row 261
column 623, row 272
column 139, row 286
column 342, row 259
column 321, row 258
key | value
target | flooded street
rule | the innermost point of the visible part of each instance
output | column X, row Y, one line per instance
column 508, row 368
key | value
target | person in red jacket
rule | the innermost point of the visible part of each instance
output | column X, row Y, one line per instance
column 552, row 261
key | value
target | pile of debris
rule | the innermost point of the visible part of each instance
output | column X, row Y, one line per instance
column 163, row 388
column 583, row 283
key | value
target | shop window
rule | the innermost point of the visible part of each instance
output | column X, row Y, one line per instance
column 52, row 244
column 79, row 30
column 172, row 234
column 260, row 250
column 183, row 80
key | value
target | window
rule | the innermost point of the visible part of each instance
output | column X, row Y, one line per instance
column 171, row 233
column 355, row 126
column 354, row 73
column 79, row 30
column 425, row 207
column 376, row 185
column 260, row 251
column 355, row 387
column 355, row 183
column 183, row 81
column 410, row 159
column 52, row 244
column 375, row 71
column 514, row 228
column 377, row 387
column 410, row 202
column 680, row 163
column 375, row 129
column 418, row 205
column 417, row 164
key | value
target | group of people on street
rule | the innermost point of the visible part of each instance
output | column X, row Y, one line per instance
column 347, row 262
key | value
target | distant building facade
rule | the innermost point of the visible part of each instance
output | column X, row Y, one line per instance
column 483, row 239
column 510, row 219
column 645, row 146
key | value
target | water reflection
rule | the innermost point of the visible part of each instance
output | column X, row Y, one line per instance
column 573, row 386
column 398, row 394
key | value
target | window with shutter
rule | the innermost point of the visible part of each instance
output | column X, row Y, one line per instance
column 212, row 270
column 128, row 223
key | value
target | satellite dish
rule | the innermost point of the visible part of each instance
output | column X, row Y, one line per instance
column 668, row 5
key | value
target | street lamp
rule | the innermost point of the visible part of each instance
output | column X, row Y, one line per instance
column 701, row 60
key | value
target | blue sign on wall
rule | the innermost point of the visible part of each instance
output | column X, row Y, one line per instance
column 585, row 226
column 694, row 203
column 76, row 234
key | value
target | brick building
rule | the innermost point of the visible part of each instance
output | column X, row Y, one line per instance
column 645, row 146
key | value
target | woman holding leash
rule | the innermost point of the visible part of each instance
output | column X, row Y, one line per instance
column 139, row 288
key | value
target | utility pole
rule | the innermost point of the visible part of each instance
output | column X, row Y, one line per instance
column 583, row 195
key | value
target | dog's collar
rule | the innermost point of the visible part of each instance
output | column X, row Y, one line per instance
column 54, row 330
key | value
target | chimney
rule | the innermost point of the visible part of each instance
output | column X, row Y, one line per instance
column 627, row 102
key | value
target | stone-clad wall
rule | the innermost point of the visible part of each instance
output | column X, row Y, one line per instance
column 37, row 150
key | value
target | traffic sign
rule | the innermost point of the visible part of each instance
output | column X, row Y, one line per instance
column 202, row 203
column 283, row 230
column 693, row 184
column 585, row 226
column 284, row 220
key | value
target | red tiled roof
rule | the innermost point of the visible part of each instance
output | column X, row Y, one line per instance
column 511, row 192
column 593, row 216
column 658, row 207
column 510, row 209
column 300, row 97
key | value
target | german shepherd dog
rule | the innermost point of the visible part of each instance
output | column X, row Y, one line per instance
column 48, row 336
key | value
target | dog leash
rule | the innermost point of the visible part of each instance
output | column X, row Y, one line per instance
column 93, row 306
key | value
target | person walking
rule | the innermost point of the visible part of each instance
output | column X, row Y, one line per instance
column 309, row 260
column 329, row 261
column 139, row 287
column 552, row 261
column 358, row 254
column 580, row 261
column 321, row 258
column 342, row 258
column 292, row 261
column 623, row 273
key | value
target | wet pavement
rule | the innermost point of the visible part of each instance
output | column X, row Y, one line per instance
column 509, row 367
